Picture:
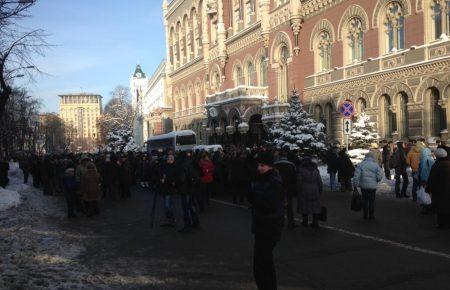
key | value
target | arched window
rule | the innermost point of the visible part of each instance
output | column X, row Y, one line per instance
column 440, row 17
column 318, row 113
column 250, row 74
column 361, row 105
column 394, row 26
column 238, row 76
column 402, row 115
column 386, row 122
column 283, row 74
column 262, row 71
column 437, row 114
column 355, row 39
column 324, row 48
column 216, row 82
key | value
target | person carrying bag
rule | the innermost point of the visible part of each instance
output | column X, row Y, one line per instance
column 367, row 176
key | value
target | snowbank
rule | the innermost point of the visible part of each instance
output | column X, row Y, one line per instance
column 8, row 198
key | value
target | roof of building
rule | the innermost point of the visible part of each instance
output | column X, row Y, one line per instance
column 80, row 94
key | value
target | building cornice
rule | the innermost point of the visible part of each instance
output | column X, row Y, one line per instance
column 187, row 69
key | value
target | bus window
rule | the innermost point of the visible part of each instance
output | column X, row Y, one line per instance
column 186, row 140
column 162, row 143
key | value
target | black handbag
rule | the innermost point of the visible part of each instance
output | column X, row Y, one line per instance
column 323, row 214
column 356, row 204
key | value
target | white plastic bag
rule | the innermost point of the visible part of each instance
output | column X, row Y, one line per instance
column 423, row 197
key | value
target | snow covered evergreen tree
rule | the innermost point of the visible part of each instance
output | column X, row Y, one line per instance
column 298, row 130
column 363, row 132
column 121, row 141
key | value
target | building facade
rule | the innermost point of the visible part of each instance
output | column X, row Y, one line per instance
column 233, row 63
column 80, row 113
column 154, row 107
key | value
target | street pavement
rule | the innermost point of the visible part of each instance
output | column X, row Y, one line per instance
column 401, row 249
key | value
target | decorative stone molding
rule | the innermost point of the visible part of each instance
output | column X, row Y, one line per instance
column 354, row 71
column 439, row 51
column 279, row 16
column 381, row 4
column 247, row 38
column 320, row 26
column 393, row 62
column 280, row 39
column 351, row 12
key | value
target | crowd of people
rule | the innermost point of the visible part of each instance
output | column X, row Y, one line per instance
column 268, row 181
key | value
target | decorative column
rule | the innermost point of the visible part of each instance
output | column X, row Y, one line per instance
column 296, row 23
column 264, row 8
column 169, row 47
column 221, row 37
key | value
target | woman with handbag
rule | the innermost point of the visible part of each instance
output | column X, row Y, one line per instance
column 367, row 176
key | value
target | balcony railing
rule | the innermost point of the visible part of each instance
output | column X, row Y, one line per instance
column 239, row 92
column 191, row 111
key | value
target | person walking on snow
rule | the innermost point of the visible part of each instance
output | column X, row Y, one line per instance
column 367, row 176
column 413, row 160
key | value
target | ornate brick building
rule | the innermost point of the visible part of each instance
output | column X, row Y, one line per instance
column 239, row 60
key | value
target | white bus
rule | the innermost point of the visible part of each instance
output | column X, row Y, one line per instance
column 177, row 140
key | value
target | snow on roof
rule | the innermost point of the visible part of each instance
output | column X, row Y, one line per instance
column 172, row 134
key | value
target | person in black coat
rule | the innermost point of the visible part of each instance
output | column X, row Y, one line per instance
column 188, row 181
column 345, row 170
column 70, row 190
column 438, row 185
column 240, row 177
column 332, row 166
column 168, row 186
column 4, row 168
column 266, row 197
column 398, row 162
column 386, row 156
column 288, row 174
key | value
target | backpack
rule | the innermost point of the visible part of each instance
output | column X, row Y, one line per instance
column 393, row 161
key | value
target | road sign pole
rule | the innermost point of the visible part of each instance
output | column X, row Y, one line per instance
column 347, row 142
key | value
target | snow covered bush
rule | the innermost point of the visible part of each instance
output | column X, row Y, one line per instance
column 298, row 130
column 357, row 155
column 363, row 132
column 121, row 141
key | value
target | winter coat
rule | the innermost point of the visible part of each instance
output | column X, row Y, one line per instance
column 91, row 185
column 266, row 197
column 169, row 175
column 69, row 183
column 368, row 174
column 345, row 168
column 332, row 161
column 386, row 155
column 438, row 186
column 4, row 168
column 399, row 159
column 426, row 162
column 187, row 176
column 288, row 175
column 378, row 156
column 206, row 170
column 240, row 173
column 413, row 158
column 309, row 184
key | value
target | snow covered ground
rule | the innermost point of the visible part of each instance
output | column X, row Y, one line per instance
column 35, row 253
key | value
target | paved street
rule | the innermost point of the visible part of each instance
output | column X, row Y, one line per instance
column 400, row 250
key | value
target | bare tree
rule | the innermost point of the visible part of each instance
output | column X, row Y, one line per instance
column 18, row 125
column 17, row 47
column 118, row 113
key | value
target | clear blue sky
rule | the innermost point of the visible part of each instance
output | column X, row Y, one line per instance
column 97, row 44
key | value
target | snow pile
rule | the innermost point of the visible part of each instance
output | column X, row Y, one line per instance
column 363, row 132
column 297, row 130
column 121, row 141
column 8, row 198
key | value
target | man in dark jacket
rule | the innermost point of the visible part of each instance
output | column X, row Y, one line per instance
column 168, row 179
column 437, row 186
column 332, row 166
column 288, row 174
column 266, row 198
column 398, row 162
column 4, row 168
column 188, row 180
column 386, row 156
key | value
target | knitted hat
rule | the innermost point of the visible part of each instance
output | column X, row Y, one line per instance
column 440, row 153
column 374, row 146
column 265, row 158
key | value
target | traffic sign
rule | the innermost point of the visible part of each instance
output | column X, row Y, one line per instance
column 347, row 109
column 347, row 126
